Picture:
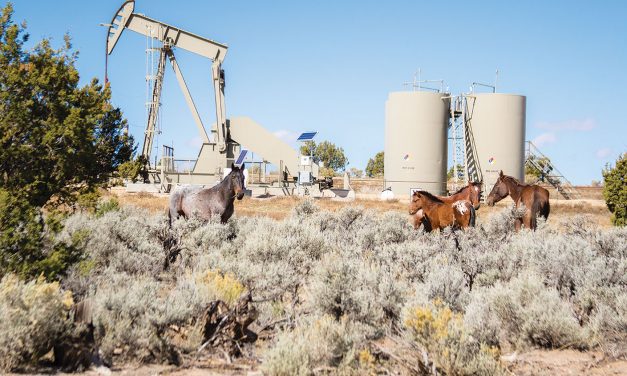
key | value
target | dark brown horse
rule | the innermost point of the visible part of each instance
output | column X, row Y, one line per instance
column 434, row 213
column 533, row 197
column 205, row 203
column 470, row 192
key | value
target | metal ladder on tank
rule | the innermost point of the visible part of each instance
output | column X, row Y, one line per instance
column 549, row 172
column 460, row 176
column 473, row 167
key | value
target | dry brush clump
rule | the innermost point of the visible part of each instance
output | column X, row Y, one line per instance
column 35, row 317
column 328, row 291
column 448, row 345
column 319, row 343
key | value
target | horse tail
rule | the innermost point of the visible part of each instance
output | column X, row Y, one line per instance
column 536, row 208
column 546, row 206
column 473, row 216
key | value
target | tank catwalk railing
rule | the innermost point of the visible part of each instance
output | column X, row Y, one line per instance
column 548, row 172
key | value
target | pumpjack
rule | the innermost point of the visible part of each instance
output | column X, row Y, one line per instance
column 218, row 152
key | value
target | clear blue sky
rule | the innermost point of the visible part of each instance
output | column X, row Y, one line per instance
column 329, row 65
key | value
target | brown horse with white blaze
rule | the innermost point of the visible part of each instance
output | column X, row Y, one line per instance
column 470, row 192
column 209, row 202
column 437, row 214
column 533, row 197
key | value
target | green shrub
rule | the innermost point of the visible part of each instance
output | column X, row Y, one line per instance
column 58, row 138
column 131, row 170
column 88, row 200
column 375, row 165
column 30, row 245
column 615, row 190
column 21, row 230
column 104, row 207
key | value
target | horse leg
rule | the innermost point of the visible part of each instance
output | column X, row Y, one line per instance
column 464, row 214
column 517, row 224
column 430, row 221
column 468, row 218
column 436, row 223
column 228, row 212
column 529, row 219
column 459, row 220
column 175, row 206
column 536, row 208
column 426, row 225
column 542, row 208
column 417, row 221
column 473, row 216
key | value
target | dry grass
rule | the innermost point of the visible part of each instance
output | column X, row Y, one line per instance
column 281, row 207
column 155, row 203
column 275, row 207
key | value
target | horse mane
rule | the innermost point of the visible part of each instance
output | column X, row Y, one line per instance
column 225, row 181
column 514, row 180
column 473, row 183
column 430, row 196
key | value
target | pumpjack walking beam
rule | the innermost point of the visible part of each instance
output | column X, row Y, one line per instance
column 171, row 37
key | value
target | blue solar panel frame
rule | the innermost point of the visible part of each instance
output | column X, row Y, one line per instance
column 306, row 136
column 240, row 158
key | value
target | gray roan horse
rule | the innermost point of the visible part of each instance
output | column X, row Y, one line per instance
column 205, row 203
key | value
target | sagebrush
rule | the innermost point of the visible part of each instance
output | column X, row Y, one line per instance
column 349, row 280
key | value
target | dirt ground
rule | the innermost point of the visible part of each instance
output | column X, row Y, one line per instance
column 564, row 363
column 532, row 363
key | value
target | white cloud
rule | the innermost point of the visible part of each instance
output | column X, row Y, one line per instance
column 604, row 153
column 544, row 139
column 194, row 143
column 579, row 125
column 285, row 135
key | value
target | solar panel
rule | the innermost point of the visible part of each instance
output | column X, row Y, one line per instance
column 241, row 157
column 307, row 136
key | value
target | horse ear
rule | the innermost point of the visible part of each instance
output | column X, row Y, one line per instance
column 501, row 173
column 243, row 166
column 232, row 166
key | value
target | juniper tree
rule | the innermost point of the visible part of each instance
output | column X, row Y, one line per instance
column 615, row 190
column 326, row 152
column 375, row 165
column 57, row 141
column 56, row 138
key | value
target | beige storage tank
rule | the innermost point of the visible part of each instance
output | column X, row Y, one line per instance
column 497, row 122
column 416, row 125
